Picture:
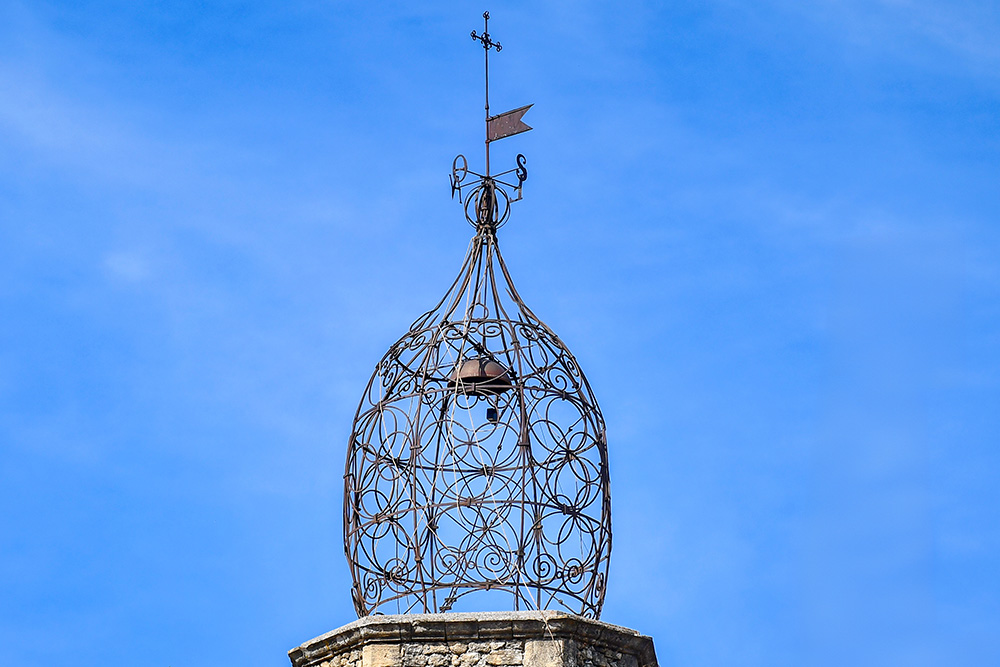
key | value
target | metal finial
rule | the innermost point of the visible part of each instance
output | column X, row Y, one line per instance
column 487, row 43
column 485, row 37
column 489, row 195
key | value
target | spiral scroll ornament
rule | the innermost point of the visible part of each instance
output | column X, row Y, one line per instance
column 477, row 469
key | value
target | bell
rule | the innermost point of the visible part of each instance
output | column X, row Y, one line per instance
column 480, row 377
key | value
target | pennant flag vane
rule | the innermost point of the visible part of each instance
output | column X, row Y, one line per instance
column 506, row 124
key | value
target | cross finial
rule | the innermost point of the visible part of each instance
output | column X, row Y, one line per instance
column 485, row 37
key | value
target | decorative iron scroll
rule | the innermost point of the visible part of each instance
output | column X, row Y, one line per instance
column 477, row 468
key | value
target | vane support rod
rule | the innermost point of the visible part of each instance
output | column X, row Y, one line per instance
column 487, row 43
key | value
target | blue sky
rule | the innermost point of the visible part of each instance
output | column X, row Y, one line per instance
column 768, row 231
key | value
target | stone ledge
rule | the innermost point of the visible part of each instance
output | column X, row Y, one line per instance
column 463, row 628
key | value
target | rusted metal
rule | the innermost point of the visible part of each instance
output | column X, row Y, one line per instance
column 487, row 43
column 477, row 469
column 507, row 124
column 480, row 376
column 477, row 466
column 487, row 200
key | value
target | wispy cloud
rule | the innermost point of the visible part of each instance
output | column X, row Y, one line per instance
column 967, row 29
column 88, row 136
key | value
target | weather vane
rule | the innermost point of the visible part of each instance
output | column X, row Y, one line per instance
column 492, row 202
column 477, row 469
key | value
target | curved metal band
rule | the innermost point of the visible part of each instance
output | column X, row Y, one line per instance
column 477, row 468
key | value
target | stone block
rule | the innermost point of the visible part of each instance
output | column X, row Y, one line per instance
column 381, row 655
column 549, row 653
column 470, row 657
column 504, row 656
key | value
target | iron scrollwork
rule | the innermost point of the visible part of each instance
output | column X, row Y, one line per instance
column 478, row 467
column 486, row 200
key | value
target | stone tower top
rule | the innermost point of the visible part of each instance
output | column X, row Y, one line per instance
column 490, row 639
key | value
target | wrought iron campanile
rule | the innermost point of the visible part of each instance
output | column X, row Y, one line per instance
column 477, row 470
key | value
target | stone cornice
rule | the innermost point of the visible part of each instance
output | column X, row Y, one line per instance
column 459, row 627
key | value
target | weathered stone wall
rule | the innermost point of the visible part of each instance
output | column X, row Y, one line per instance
column 498, row 639
column 463, row 654
column 346, row 658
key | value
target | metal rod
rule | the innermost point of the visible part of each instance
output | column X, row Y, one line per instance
column 486, row 48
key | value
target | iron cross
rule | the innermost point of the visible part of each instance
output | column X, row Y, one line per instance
column 485, row 37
